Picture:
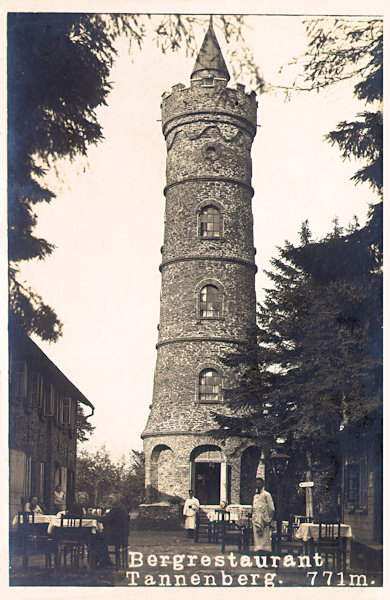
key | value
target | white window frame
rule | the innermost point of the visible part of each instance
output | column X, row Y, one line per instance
column 35, row 392
column 49, row 400
column 67, row 411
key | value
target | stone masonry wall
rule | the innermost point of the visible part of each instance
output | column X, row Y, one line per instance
column 178, row 478
column 176, row 406
column 180, row 288
column 42, row 440
column 183, row 203
column 209, row 131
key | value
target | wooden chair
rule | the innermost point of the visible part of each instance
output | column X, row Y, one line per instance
column 217, row 526
column 120, row 542
column 72, row 541
column 121, row 550
column 231, row 533
column 330, row 544
column 283, row 541
column 34, row 539
column 203, row 528
column 298, row 519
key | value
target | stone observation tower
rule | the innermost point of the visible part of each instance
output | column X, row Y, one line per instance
column 208, row 303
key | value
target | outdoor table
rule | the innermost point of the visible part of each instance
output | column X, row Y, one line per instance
column 55, row 521
column 34, row 535
column 239, row 511
column 93, row 524
column 233, row 512
column 236, row 515
column 308, row 532
column 38, row 518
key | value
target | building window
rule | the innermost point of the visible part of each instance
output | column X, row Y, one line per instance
column 49, row 400
column 67, row 411
column 73, row 416
column 20, row 380
column 210, row 223
column 210, row 304
column 59, row 409
column 209, row 386
column 35, row 395
column 356, row 485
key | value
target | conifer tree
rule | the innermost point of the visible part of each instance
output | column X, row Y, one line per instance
column 344, row 49
column 318, row 363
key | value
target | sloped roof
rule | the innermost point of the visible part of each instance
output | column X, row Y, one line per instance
column 210, row 56
column 27, row 349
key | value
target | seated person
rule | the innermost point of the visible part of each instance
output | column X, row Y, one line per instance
column 116, row 526
column 78, row 508
column 33, row 506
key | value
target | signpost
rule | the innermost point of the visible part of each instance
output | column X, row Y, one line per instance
column 309, row 497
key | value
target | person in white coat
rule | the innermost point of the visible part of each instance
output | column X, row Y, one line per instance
column 190, row 510
column 262, row 514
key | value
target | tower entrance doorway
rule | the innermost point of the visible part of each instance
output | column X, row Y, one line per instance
column 209, row 475
column 208, row 482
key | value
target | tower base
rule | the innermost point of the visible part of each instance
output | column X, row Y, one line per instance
column 216, row 472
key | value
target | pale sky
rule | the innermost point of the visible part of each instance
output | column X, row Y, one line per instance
column 107, row 220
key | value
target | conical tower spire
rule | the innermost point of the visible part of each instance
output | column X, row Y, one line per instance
column 210, row 60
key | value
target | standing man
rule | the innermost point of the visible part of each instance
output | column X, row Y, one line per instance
column 262, row 514
column 190, row 509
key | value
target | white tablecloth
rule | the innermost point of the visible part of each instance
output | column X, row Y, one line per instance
column 55, row 521
column 37, row 519
column 308, row 531
column 93, row 524
column 234, row 512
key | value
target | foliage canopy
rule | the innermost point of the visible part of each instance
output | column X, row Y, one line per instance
column 98, row 475
column 58, row 75
column 351, row 49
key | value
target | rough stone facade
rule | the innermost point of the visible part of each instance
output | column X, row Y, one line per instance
column 209, row 130
column 42, row 426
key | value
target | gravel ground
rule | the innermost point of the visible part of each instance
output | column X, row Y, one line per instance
column 162, row 559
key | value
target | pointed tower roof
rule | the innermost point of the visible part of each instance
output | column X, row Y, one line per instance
column 210, row 56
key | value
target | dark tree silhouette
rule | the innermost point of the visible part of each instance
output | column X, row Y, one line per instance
column 58, row 75
column 344, row 49
column 84, row 427
column 318, row 364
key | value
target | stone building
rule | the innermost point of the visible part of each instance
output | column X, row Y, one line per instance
column 362, row 487
column 208, row 303
column 42, row 426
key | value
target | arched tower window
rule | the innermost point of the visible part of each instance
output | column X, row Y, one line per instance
column 209, row 386
column 210, row 223
column 210, row 302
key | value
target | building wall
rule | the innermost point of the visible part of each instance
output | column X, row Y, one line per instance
column 366, row 518
column 362, row 497
column 42, row 435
